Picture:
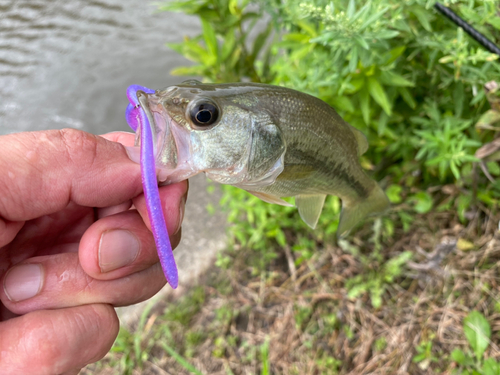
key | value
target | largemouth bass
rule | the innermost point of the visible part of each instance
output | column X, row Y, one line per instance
column 272, row 141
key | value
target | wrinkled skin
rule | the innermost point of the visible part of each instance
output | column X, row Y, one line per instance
column 60, row 191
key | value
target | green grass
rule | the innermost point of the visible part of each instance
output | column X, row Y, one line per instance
column 274, row 320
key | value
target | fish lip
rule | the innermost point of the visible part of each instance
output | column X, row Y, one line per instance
column 174, row 164
column 171, row 144
column 141, row 97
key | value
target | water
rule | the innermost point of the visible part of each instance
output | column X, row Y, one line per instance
column 68, row 63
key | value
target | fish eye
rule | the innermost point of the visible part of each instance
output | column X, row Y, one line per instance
column 204, row 114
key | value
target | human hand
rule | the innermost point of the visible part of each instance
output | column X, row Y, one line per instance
column 74, row 241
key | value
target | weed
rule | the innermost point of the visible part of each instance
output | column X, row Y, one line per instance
column 477, row 330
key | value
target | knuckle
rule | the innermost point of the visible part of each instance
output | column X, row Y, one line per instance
column 78, row 145
column 108, row 325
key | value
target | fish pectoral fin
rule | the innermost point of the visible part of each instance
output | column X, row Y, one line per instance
column 293, row 172
column 310, row 207
column 270, row 198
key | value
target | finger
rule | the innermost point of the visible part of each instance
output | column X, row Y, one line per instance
column 108, row 211
column 122, row 244
column 58, row 281
column 46, row 235
column 125, row 138
column 172, row 197
column 41, row 172
column 117, row 246
column 57, row 340
column 9, row 230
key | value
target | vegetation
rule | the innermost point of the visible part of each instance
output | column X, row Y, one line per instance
column 414, row 291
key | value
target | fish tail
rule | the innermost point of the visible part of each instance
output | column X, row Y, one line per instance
column 353, row 211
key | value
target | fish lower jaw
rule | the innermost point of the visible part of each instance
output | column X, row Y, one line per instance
column 169, row 176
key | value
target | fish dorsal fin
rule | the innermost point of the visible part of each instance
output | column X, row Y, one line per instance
column 310, row 207
column 361, row 139
column 270, row 198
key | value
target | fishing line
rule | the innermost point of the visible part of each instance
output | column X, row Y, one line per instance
column 480, row 38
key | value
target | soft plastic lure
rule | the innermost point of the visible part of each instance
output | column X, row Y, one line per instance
column 138, row 120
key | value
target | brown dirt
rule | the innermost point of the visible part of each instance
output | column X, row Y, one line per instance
column 313, row 327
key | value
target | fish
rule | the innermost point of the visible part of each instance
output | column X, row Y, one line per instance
column 271, row 141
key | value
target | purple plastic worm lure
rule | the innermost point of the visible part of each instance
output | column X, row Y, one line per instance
column 138, row 120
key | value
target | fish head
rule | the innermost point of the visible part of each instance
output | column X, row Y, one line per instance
column 213, row 129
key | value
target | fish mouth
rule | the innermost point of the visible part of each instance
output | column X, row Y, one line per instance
column 141, row 120
column 171, row 144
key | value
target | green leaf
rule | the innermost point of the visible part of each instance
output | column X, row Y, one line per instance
column 181, row 360
column 387, row 34
column 495, row 22
column 463, row 203
column 296, row 37
column 423, row 202
column 362, row 42
column 374, row 17
column 493, row 168
column 423, row 17
column 382, row 124
column 393, row 79
column 264, row 358
column 355, row 85
column 458, row 356
column 300, row 53
column 419, row 357
column 394, row 193
column 351, row 8
column 353, row 60
column 343, row 103
column 309, row 28
column 280, row 238
column 195, row 52
column 488, row 119
column 196, row 70
column 394, row 54
column 260, row 40
column 378, row 94
column 376, row 297
column 454, row 170
column 491, row 367
column 209, row 37
column 228, row 46
column 478, row 332
column 364, row 98
column 458, row 98
column 407, row 97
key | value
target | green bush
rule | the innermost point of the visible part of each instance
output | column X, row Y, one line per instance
column 399, row 71
column 406, row 76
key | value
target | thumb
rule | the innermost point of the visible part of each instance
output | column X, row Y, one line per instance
column 57, row 340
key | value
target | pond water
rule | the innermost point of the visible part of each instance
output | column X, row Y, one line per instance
column 68, row 63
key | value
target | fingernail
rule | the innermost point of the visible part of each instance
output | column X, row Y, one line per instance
column 134, row 154
column 182, row 207
column 23, row 282
column 118, row 248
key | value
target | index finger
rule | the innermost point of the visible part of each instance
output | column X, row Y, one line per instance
column 125, row 138
column 42, row 172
